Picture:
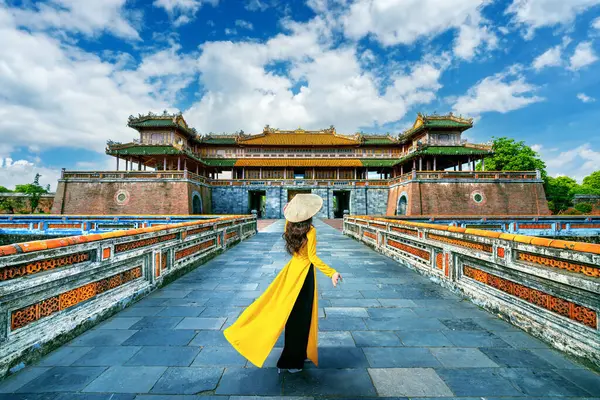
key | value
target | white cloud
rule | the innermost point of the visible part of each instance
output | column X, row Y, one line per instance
column 503, row 92
column 596, row 23
column 583, row 56
column 534, row 14
column 58, row 96
column 585, row 98
column 550, row 58
column 394, row 22
column 322, row 85
column 230, row 31
column 577, row 162
column 22, row 171
column 89, row 18
column 244, row 24
column 183, row 11
column 470, row 38
column 259, row 5
column 537, row 147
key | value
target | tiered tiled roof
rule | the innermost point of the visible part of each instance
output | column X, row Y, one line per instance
column 164, row 120
column 449, row 121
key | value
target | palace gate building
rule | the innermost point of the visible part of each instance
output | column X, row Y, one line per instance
column 427, row 170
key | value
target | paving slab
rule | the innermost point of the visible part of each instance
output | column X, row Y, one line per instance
column 184, row 381
column 107, row 356
column 64, row 356
column 403, row 357
column 169, row 356
column 219, row 356
column 250, row 381
column 478, row 382
column 417, row 382
column 63, row 379
column 328, row 382
column 126, row 379
column 375, row 339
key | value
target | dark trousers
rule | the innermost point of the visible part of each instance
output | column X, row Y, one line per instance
column 297, row 327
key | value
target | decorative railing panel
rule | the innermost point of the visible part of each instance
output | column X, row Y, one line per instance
column 49, row 288
column 549, row 287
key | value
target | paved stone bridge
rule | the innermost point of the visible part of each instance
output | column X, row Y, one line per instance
column 386, row 331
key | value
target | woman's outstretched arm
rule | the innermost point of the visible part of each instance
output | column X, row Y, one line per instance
column 312, row 254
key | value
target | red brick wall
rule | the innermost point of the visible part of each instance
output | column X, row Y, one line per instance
column 141, row 198
column 512, row 198
column 393, row 200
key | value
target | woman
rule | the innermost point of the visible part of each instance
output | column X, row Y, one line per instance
column 291, row 301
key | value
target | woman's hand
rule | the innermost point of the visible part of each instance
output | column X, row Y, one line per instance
column 335, row 278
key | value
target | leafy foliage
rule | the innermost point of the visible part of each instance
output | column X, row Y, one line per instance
column 4, row 190
column 584, row 208
column 592, row 181
column 559, row 192
column 510, row 155
column 34, row 191
column 11, row 205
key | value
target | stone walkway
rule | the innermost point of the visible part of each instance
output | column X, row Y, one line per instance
column 385, row 332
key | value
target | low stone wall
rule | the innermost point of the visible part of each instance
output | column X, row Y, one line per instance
column 550, row 288
column 51, row 290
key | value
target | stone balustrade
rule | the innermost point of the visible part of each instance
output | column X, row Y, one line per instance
column 66, row 225
column 51, row 290
column 550, row 288
column 449, row 176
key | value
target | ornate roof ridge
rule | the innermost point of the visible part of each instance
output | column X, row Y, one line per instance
column 423, row 119
column 150, row 115
column 450, row 116
column 175, row 118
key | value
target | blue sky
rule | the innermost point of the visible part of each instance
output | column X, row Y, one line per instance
column 72, row 71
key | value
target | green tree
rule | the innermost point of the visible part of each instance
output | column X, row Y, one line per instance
column 584, row 208
column 560, row 192
column 592, row 180
column 34, row 191
column 510, row 155
column 11, row 205
column 4, row 190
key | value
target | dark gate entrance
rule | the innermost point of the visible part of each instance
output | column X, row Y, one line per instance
column 341, row 202
column 196, row 205
column 401, row 210
column 257, row 200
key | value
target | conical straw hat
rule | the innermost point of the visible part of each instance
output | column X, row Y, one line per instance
column 302, row 207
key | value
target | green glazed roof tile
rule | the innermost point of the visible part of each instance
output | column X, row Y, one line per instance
column 219, row 140
column 378, row 163
column 219, row 162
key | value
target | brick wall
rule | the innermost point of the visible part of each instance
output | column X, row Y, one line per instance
column 509, row 198
column 147, row 197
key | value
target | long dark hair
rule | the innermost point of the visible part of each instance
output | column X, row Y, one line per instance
column 295, row 235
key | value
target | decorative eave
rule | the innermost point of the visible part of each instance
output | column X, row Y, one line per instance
column 164, row 120
column 134, row 149
column 449, row 121
column 448, row 151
